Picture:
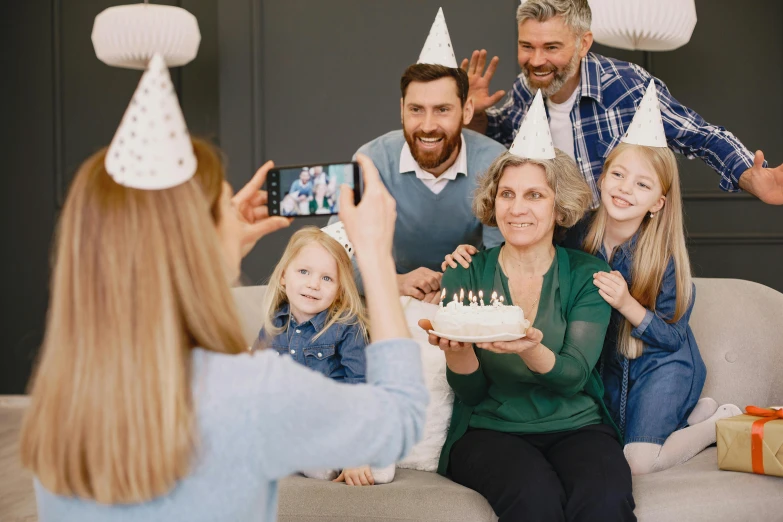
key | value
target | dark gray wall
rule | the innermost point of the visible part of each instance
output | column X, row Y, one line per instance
column 329, row 76
column 305, row 81
column 59, row 105
column 326, row 78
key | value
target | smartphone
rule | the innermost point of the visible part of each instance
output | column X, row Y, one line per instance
column 311, row 190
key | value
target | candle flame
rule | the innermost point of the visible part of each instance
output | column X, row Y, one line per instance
column 461, row 294
column 455, row 298
column 500, row 298
column 494, row 295
column 470, row 296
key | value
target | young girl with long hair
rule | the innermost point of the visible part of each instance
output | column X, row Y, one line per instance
column 652, row 371
column 313, row 314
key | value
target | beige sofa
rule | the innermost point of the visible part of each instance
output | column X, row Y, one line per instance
column 739, row 327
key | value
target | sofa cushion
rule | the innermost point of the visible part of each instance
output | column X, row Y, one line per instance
column 17, row 499
column 698, row 491
column 424, row 456
column 414, row 495
column 738, row 327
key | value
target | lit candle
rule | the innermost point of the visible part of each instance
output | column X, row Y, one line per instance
column 500, row 299
column 442, row 296
column 455, row 298
column 470, row 296
column 475, row 299
column 481, row 297
column 461, row 295
column 494, row 298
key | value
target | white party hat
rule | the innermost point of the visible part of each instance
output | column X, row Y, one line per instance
column 151, row 149
column 647, row 125
column 437, row 49
column 337, row 232
column 534, row 140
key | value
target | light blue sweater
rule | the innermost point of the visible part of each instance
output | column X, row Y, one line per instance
column 430, row 225
column 262, row 417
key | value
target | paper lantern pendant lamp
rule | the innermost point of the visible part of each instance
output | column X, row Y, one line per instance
column 129, row 35
column 643, row 25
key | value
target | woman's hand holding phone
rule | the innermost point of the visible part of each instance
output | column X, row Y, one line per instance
column 251, row 204
column 370, row 227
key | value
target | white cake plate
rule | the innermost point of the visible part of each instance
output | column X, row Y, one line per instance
column 480, row 338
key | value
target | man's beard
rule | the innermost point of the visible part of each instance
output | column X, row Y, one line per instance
column 429, row 160
column 559, row 78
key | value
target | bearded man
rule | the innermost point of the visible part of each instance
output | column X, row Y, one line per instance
column 430, row 168
column 591, row 100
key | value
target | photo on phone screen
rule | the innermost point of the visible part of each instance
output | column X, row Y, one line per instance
column 310, row 190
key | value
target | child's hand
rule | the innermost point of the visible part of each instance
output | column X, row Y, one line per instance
column 461, row 255
column 613, row 288
column 361, row 476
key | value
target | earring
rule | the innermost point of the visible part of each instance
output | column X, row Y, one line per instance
column 652, row 215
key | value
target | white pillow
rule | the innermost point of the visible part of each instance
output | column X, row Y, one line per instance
column 424, row 455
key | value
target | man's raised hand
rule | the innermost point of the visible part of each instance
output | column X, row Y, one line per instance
column 479, row 80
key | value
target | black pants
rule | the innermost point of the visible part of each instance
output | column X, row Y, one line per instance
column 578, row 475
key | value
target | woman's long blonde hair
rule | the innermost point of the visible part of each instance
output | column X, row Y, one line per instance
column 347, row 307
column 139, row 281
column 661, row 238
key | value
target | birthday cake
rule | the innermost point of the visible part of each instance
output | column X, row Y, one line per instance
column 476, row 320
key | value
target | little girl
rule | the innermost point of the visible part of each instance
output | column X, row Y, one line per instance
column 651, row 367
column 313, row 314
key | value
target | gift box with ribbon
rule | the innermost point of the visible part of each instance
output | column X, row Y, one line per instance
column 753, row 442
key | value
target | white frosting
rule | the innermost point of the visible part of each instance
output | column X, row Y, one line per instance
column 478, row 321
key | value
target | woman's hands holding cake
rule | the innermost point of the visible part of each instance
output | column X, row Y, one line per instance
column 460, row 357
column 531, row 340
column 444, row 344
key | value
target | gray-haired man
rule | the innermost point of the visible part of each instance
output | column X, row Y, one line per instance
column 591, row 100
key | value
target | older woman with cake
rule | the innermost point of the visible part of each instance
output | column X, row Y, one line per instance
column 529, row 430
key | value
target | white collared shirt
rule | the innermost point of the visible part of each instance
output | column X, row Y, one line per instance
column 435, row 184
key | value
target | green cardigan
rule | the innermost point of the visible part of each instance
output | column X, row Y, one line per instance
column 504, row 394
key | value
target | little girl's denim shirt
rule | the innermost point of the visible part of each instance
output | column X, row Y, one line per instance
column 338, row 353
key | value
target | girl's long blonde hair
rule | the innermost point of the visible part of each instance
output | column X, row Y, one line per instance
column 139, row 281
column 661, row 238
column 347, row 307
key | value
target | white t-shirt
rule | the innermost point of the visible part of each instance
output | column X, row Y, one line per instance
column 560, row 123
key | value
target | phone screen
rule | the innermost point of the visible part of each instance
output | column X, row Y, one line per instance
column 310, row 190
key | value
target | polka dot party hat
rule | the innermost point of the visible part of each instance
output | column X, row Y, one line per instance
column 647, row 125
column 151, row 149
column 534, row 140
column 437, row 49
column 337, row 232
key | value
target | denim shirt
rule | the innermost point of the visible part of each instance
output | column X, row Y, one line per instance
column 648, row 404
column 338, row 353
column 654, row 331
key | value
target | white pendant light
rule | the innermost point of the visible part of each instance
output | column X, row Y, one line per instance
column 129, row 35
column 643, row 25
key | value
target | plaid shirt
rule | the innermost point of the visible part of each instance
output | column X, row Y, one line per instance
column 610, row 91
